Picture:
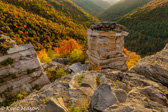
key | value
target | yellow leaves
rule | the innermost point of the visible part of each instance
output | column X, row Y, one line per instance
column 133, row 58
column 43, row 56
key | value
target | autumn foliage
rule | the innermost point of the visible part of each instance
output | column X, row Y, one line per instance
column 97, row 68
column 67, row 46
column 133, row 58
column 43, row 56
column 70, row 49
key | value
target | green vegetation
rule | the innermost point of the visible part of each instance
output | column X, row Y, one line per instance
column 7, row 62
column 13, row 76
column 88, row 6
column 29, row 71
column 3, row 48
column 148, row 28
column 54, row 74
column 76, row 109
column 11, row 101
column 102, row 3
column 80, row 79
column 46, row 100
column 115, row 83
column 36, row 87
column 121, row 8
column 1, row 80
column 77, row 56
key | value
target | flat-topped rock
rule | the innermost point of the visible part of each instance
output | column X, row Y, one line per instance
column 107, row 26
column 105, row 46
column 19, row 48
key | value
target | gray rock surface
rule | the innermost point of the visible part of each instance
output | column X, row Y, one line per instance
column 78, row 67
column 154, row 67
column 64, row 61
column 102, row 91
column 102, row 98
column 107, row 26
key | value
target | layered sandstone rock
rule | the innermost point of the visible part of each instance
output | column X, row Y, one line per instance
column 23, row 72
column 154, row 67
column 105, row 42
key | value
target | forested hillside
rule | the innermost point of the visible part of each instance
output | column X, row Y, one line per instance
column 43, row 22
column 148, row 27
column 89, row 6
column 121, row 8
column 102, row 3
column 112, row 2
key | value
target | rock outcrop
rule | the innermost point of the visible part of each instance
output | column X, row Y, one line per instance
column 105, row 46
column 20, row 70
column 154, row 67
column 7, row 40
column 103, row 91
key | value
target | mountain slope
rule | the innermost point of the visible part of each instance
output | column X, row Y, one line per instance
column 88, row 6
column 148, row 27
column 43, row 22
column 121, row 8
column 112, row 2
column 102, row 3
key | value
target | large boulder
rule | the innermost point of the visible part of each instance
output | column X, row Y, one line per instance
column 154, row 67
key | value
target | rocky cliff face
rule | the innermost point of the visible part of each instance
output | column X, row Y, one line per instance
column 106, row 90
column 105, row 42
column 20, row 70
column 154, row 67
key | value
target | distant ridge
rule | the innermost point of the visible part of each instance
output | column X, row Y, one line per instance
column 148, row 27
column 121, row 8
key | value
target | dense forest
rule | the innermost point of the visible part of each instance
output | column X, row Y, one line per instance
column 120, row 9
column 148, row 27
column 43, row 22
column 89, row 6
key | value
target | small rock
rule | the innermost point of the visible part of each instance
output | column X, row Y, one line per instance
column 78, row 67
column 64, row 61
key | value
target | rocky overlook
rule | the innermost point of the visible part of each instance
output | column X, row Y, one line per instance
column 104, row 91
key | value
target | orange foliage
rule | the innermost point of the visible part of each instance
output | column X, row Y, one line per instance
column 67, row 46
column 97, row 68
column 133, row 58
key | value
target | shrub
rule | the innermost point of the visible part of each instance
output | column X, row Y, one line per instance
column 60, row 72
column 43, row 56
column 29, row 71
column 7, row 61
column 76, row 109
column 1, row 80
column 36, row 87
column 77, row 56
column 80, row 79
column 20, row 96
column 55, row 74
column 67, row 46
column 13, row 76
column 97, row 68
column 52, row 54
column 46, row 100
